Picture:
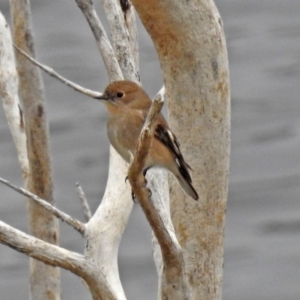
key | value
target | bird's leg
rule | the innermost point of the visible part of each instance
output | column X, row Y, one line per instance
column 145, row 180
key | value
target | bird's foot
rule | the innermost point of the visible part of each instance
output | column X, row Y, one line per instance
column 149, row 193
column 145, row 182
column 133, row 197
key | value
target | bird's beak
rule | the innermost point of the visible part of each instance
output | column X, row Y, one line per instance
column 103, row 97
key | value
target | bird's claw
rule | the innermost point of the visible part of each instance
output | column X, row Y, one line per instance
column 145, row 182
column 149, row 193
column 133, row 197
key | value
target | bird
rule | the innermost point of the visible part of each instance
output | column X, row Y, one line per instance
column 127, row 105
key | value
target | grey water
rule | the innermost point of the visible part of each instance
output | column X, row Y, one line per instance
column 262, row 239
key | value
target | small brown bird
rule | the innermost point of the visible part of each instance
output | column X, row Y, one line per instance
column 127, row 105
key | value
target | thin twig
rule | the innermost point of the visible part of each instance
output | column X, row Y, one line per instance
column 54, row 74
column 85, row 205
column 77, row 225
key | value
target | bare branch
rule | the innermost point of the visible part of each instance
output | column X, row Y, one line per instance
column 58, row 257
column 42, row 224
column 137, row 182
column 9, row 93
column 107, row 52
column 160, row 95
column 130, row 22
column 77, row 225
column 136, row 179
column 106, row 227
column 121, row 39
column 174, row 267
column 176, row 29
column 85, row 205
column 54, row 74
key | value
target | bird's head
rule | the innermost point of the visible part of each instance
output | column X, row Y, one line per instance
column 125, row 93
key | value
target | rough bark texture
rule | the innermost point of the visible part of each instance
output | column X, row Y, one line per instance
column 44, row 279
column 121, row 39
column 57, row 256
column 9, row 84
column 173, row 284
column 190, row 42
column 105, row 229
column 110, row 60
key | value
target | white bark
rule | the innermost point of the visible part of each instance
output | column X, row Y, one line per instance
column 173, row 283
column 52, row 209
column 9, row 94
column 197, row 91
column 58, row 257
column 105, row 229
column 42, row 224
column 110, row 60
column 131, row 25
column 121, row 39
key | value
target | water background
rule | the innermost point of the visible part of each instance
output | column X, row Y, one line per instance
column 262, row 242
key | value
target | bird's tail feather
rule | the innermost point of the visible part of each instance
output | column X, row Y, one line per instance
column 187, row 187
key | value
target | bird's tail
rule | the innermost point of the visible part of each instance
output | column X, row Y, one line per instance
column 187, row 186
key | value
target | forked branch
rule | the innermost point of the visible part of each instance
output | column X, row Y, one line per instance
column 77, row 225
column 58, row 257
column 173, row 277
column 104, row 46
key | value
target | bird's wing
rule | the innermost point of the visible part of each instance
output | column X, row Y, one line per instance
column 168, row 138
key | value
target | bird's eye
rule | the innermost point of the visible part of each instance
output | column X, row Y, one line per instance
column 120, row 94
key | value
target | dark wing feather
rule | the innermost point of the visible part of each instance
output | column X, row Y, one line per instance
column 168, row 138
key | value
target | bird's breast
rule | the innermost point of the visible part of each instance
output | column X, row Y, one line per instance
column 123, row 132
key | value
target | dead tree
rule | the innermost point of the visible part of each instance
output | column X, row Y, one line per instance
column 188, row 246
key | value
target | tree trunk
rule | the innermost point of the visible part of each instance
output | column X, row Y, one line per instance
column 191, row 47
column 190, row 43
column 44, row 279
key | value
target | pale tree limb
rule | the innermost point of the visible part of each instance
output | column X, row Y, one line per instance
column 120, row 39
column 65, row 81
column 158, row 182
column 198, row 97
column 77, row 225
column 152, row 175
column 130, row 23
column 9, row 93
column 123, row 28
column 174, row 283
column 104, row 230
column 85, row 205
column 58, row 257
column 42, row 224
column 104, row 46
